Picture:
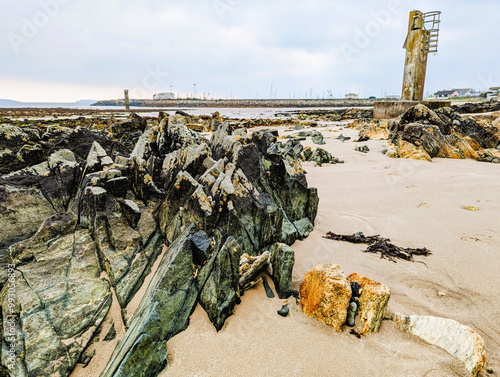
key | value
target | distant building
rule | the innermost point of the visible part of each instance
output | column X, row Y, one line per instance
column 160, row 96
column 454, row 93
column 493, row 92
column 468, row 92
column 446, row 94
column 351, row 96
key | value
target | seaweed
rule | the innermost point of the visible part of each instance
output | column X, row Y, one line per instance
column 384, row 246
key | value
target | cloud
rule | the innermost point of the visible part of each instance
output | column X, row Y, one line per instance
column 237, row 47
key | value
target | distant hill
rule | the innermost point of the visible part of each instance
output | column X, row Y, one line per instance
column 86, row 102
column 8, row 102
column 17, row 104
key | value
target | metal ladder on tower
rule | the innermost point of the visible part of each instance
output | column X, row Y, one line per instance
column 431, row 23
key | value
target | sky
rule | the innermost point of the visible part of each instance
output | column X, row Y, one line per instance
column 68, row 50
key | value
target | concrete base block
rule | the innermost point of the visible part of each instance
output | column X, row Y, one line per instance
column 393, row 109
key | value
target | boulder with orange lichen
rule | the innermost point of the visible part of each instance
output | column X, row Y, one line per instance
column 325, row 294
column 372, row 129
column 409, row 150
column 372, row 302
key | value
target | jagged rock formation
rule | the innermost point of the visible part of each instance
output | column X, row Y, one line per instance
column 94, row 217
column 444, row 133
column 164, row 312
column 421, row 133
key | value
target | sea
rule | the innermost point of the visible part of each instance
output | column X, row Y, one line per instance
column 227, row 112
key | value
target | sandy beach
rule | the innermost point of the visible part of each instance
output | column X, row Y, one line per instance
column 449, row 206
column 183, row 192
column 415, row 204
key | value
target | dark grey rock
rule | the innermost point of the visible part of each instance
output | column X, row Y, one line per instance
column 23, row 208
column 355, row 289
column 363, row 149
column 284, row 311
column 200, row 246
column 220, row 291
column 111, row 335
column 118, row 186
column 131, row 212
column 351, row 314
column 318, row 139
column 268, row 289
column 282, row 261
column 321, row 156
column 304, row 227
column 288, row 232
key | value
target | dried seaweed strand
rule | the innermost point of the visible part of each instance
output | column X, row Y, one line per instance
column 377, row 244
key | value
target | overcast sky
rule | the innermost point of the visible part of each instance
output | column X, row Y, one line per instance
column 66, row 50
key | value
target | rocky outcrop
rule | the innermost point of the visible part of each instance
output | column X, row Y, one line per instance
column 332, row 115
column 128, row 131
column 164, row 311
column 477, row 107
column 23, row 208
column 237, row 178
column 94, row 222
column 459, row 340
column 61, row 298
column 30, row 144
column 442, row 133
column 30, row 195
column 325, row 294
column 372, row 302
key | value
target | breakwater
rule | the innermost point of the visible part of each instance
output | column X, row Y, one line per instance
column 241, row 103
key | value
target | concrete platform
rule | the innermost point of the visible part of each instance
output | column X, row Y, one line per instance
column 393, row 109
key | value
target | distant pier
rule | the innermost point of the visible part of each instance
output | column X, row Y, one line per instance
column 241, row 103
